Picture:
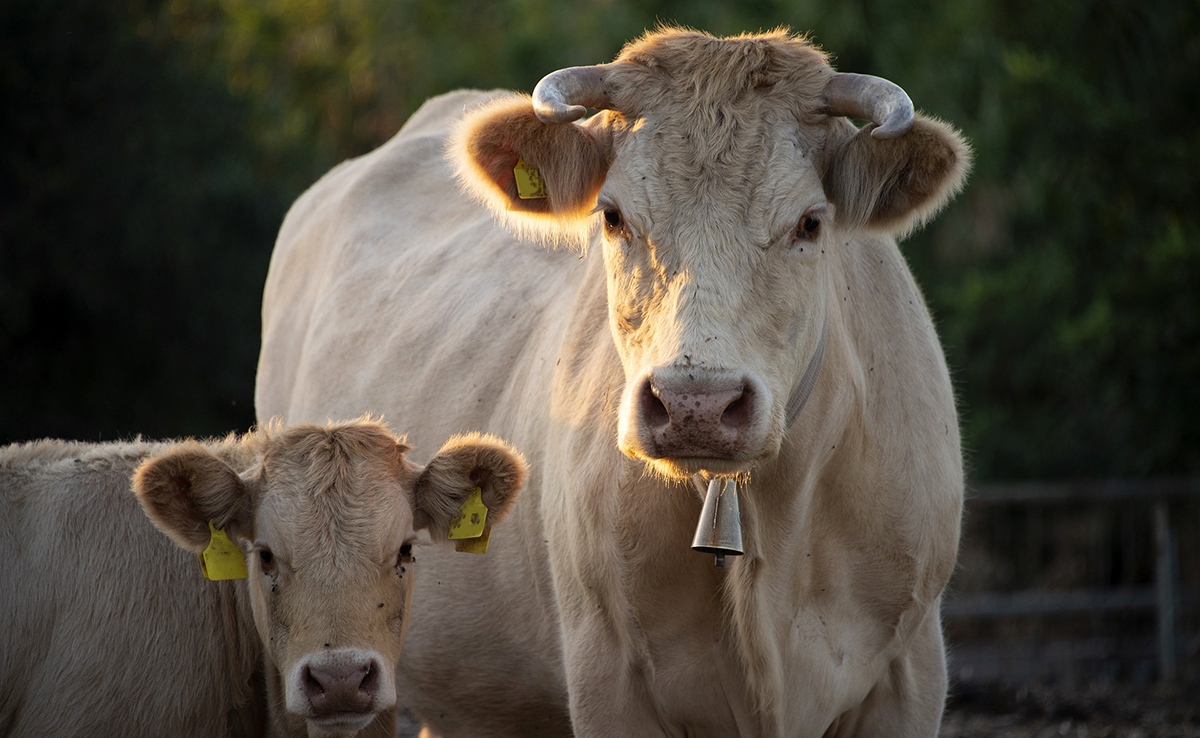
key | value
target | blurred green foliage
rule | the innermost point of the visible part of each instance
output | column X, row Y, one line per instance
column 151, row 148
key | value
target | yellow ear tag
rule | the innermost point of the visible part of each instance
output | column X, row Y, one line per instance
column 222, row 559
column 530, row 185
column 474, row 545
column 472, row 518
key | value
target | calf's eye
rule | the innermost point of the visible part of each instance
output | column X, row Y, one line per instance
column 405, row 555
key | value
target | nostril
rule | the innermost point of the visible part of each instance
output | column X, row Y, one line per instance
column 654, row 412
column 313, row 689
column 370, row 680
column 738, row 412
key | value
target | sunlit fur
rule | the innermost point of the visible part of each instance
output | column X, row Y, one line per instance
column 108, row 628
column 898, row 185
column 466, row 462
column 571, row 158
column 392, row 290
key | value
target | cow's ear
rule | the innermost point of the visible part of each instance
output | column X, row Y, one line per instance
column 501, row 152
column 896, row 185
column 462, row 464
column 184, row 488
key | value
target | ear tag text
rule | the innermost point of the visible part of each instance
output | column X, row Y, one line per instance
column 222, row 559
column 530, row 185
column 472, row 517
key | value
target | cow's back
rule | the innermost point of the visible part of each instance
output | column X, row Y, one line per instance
column 384, row 260
column 106, row 627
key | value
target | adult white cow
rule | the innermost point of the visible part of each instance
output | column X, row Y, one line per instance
column 737, row 244
column 108, row 629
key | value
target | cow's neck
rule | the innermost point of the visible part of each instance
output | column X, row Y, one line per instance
column 813, row 550
column 784, row 524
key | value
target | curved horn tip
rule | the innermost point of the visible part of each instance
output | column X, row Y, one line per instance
column 878, row 100
column 557, row 113
column 897, row 124
column 564, row 96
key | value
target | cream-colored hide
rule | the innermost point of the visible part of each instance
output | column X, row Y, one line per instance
column 728, row 216
column 108, row 628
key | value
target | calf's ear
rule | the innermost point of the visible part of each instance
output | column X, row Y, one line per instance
column 896, row 185
column 462, row 464
column 502, row 142
column 184, row 488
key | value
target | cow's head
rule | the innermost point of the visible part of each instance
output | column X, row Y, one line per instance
column 326, row 517
column 722, row 178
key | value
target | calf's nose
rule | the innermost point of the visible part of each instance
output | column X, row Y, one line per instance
column 340, row 686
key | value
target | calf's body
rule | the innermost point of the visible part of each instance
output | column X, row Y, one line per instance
column 108, row 628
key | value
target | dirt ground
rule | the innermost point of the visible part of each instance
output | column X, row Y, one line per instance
column 1101, row 711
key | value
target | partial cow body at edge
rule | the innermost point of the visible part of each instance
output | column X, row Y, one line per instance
column 108, row 628
column 726, row 227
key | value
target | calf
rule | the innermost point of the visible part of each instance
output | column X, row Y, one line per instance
column 109, row 628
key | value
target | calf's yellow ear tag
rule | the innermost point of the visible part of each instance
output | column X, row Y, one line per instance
column 222, row 559
column 470, row 528
column 530, row 185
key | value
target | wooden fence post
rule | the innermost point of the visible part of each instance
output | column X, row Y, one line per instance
column 1166, row 588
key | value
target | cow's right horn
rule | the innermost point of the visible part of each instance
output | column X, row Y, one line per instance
column 565, row 95
column 875, row 99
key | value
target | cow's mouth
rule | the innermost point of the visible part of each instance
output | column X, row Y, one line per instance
column 339, row 724
column 686, row 467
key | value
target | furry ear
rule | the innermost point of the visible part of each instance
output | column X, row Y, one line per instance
column 571, row 159
column 896, row 185
column 184, row 488
column 463, row 463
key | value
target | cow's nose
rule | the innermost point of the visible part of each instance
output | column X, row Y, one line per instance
column 341, row 686
column 689, row 417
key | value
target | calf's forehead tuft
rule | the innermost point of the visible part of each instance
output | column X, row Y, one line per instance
column 329, row 456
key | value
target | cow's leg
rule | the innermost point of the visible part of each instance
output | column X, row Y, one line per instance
column 909, row 700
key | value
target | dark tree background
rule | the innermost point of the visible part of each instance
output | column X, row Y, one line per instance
column 135, row 230
column 148, row 152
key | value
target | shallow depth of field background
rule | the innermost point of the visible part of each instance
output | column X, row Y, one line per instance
column 148, row 152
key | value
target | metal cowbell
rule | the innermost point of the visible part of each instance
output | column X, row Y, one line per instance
column 719, row 530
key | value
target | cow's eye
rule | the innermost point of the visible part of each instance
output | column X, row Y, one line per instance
column 267, row 560
column 612, row 219
column 405, row 555
column 809, row 227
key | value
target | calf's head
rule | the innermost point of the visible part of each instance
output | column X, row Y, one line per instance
column 326, row 517
column 722, row 179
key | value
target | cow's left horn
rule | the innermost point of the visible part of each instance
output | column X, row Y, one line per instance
column 870, row 98
column 565, row 95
